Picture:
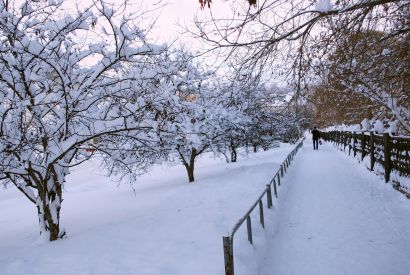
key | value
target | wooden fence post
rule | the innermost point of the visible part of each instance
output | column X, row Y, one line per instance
column 278, row 179
column 363, row 145
column 274, row 187
column 228, row 255
column 372, row 157
column 354, row 144
column 344, row 141
column 338, row 138
column 387, row 160
column 269, row 196
column 350, row 142
column 261, row 217
column 249, row 227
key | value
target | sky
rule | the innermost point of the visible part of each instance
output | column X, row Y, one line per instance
column 181, row 12
column 175, row 11
column 169, row 13
column 177, row 14
column 171, row 16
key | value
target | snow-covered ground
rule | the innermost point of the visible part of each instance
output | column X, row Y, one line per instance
column 333, row 217
column 338, row 218
column 166, row 227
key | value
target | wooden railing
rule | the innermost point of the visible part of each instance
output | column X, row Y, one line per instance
column 393, row 153
column 275, row 182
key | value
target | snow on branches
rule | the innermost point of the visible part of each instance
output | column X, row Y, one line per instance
column 293, row 39
column 52, row 106
column 73, row 85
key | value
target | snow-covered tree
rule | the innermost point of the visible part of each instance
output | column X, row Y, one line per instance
column 377, row 72
column 193, row 111
column 233, row 125
column 53, row 106
column 289, row 38
column 180, row 109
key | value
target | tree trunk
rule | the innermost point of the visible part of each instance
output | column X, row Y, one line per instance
column 191, row 166
column 190, row 170
column 234, row 155
column 49, row 206
column 227, row 159
column 49, row 219
column 255, row 148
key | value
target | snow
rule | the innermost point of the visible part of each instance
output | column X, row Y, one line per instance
column 392, row 127
column 338, row 218
column 167, row 226
column 333, row 217
column 378, row 126
column 343, row 127
column 323, row 6
column 365, row 125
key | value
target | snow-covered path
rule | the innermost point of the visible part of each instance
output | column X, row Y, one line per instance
column 337, row 218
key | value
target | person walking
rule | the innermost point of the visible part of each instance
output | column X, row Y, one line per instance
column 315, row 137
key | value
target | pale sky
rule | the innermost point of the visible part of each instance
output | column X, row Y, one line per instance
column 173, row 11
column 176, row 10
column 170, row 13
column 182, row 11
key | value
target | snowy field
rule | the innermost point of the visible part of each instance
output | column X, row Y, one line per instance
column 166, row 227
column 333, row 217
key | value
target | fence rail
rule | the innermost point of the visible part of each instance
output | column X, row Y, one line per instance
column 275, row 182
column 391, row 152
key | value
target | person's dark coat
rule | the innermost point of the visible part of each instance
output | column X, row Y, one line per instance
column 315, row 134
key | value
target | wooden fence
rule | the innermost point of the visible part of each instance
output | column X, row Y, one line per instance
column 391, row 152
column 275, row 182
